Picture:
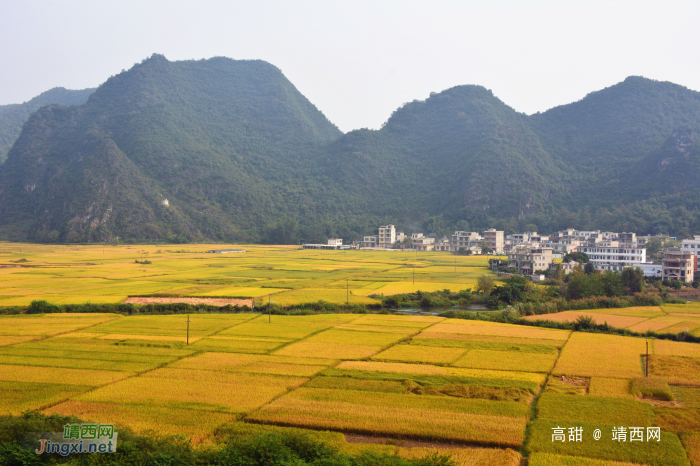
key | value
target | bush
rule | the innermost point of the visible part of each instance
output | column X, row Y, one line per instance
column 18, row 440
column 43, row 307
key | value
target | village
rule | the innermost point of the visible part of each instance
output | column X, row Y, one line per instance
column 533, row 254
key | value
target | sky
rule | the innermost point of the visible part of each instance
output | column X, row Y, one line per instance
column 358, row 61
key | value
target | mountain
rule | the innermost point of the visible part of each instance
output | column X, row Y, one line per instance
column 228, row 143
column 13, row 116
column 241, row 155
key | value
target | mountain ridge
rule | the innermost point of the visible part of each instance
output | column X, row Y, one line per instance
column 243, row 156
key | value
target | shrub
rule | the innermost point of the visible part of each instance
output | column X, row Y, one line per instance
column 43, row 307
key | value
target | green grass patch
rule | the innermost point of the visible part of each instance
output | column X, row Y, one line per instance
column 614, row 411
column 667, row 452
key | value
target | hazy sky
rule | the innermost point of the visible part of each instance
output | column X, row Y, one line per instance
column 358, row 61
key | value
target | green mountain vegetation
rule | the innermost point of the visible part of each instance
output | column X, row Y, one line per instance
column 241, row 155
column 13, row 116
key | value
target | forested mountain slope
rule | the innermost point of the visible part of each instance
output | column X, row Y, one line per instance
column 241, row 155
column 13, row 116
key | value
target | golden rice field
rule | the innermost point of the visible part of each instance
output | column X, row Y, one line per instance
column 669, row 318
column 485, row 392
column 290, row 275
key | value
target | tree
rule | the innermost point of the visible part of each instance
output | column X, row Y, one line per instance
column 485, row 284
column 589, row 268
column 530, row 227
column 580, row 257
column 633, row 279
column 612, row 284
column 435, row 224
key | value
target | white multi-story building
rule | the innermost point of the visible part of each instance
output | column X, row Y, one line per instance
column 613, row 255
column 335, row 242
column 387, row 236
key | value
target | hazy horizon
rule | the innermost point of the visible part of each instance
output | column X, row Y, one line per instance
column 359, row 61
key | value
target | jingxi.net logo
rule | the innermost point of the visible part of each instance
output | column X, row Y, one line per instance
column 79, row 438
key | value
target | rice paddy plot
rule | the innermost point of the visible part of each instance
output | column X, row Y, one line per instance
column 358, row 337
column 467, row 339
column 311, row 295
column 410, row 287
column 172, row 325
column 7, row 340
column 93, row 364
column 614, row 411
column 618, row 321
column 18, row 397
column 142, row 418
column 648, row 312
column 676, row 370
column 616, row 388
column 309, row 349
column 657, row 324
column 49, row 324
column 393, row 421
column 472, row 344
column 480, row 327
column 286, row 328
column 675, row 348
column 234, row 345
column 687, row 308
column 686, row 326
column 205, row 395
column 428, row 402
column 61, row 376
column 601, row 355
column 419, row 354
column 250, row 363
column 467, row 456
column 379, row 320
column 351, row 383
column 424, row 375
column 507, row 360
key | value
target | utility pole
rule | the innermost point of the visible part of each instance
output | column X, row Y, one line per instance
column 188, row 329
